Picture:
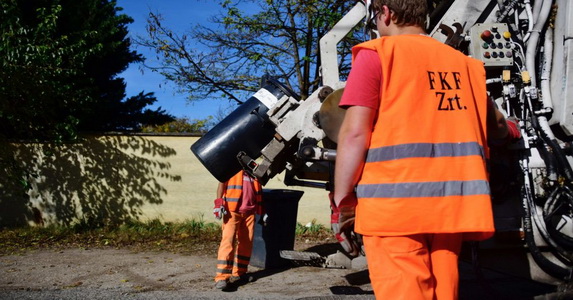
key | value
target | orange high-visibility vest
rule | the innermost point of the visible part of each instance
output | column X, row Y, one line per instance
column 234, row 190
column 425, row 171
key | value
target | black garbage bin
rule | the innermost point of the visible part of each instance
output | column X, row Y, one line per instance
column 278, row 234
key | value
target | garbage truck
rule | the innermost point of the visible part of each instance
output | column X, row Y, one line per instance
column 526, row 47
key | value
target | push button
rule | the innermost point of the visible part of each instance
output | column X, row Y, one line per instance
column 486, row 35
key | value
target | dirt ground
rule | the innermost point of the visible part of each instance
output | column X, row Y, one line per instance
column 124, row 274
column 120, row 273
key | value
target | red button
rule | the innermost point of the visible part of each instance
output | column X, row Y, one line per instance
column 486, row 35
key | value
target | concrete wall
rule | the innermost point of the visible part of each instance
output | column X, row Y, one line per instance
column 117, row 177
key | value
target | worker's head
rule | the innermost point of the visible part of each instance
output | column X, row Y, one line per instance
column 403, row 12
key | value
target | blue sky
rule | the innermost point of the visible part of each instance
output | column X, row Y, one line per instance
column 179, row 15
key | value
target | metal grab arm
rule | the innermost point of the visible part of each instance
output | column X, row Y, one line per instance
column 328, row 50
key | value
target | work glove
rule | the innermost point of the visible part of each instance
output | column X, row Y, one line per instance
column 263, row 215
column 342, row 222
column 513, row 133
column 334, row 215
column 263, row 219
column 513, row 128
column 219, row 210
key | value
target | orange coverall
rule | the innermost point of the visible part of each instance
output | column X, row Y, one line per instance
column 237, row 237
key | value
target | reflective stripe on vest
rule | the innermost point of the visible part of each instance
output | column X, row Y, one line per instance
column 424, row 150
column 423, row 189
column 234, row 191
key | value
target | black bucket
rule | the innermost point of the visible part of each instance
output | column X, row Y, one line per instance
column 247, row 129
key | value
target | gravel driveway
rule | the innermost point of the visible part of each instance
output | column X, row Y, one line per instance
column 122, row 274
column 114, row 274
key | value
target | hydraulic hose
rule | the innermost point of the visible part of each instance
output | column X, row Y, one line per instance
column 563, row 163
column 505, row 10
column 561, row 253
column 545, row 264
column 550, row 162
column 541, row 125
column 534, row 39
column 559, row 197
column 530, row 20
column 546, row 69
column 536, row 9
column 531, row 214
column 530, row 203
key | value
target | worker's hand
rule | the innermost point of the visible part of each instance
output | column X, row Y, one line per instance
column 219, row 209
column 345, row 213
column 263, row 219
column 263, row 216
column 513, row 132
column 334, row 216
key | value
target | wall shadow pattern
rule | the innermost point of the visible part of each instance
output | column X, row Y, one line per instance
column 102, row 179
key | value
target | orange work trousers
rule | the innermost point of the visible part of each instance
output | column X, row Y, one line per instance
column 421, row 266
column 236, row 245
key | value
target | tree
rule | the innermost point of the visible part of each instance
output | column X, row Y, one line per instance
column 59, row 70
column 127, row 115
column 281, row 38
column 181, row 125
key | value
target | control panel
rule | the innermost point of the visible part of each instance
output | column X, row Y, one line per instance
column 491, row 43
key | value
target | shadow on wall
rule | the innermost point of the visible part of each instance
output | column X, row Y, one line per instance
column 100, row 180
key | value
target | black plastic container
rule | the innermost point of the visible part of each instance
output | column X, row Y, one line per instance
column 278, row 234
column 247, row 129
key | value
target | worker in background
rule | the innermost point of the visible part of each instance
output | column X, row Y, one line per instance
column 237, row 202
column 411, row 156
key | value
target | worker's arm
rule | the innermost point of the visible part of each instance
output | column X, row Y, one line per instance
column 353, row 142
column 219, row 209
column 496, row 123
column 221, row 189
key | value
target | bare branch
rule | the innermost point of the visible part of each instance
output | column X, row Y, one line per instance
column 229, row 55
